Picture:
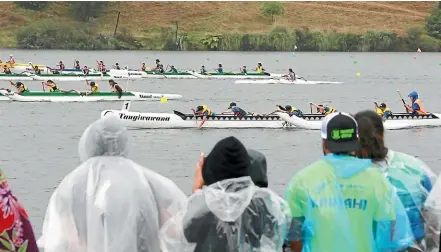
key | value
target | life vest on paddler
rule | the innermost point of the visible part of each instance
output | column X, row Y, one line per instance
column 259, row 69
column 54, row 88
column 421, row 110
column 205, row 110
column 19, row 85
column 326, row 110
column 293, row 111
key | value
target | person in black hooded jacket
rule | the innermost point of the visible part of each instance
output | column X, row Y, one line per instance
column 230, row 160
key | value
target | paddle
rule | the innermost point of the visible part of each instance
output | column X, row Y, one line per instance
column 273, row 112
column 398, row 91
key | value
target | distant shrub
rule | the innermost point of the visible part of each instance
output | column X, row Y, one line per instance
column 433, row 22
column 51, row 35
column 85, row 11
column 33, row 5
column 272, row 9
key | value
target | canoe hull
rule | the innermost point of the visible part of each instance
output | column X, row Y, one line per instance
column 74, row 97
column 233, row 76
column 172, row 121
column 402, row 121
column 15, row 77
column 284, row 81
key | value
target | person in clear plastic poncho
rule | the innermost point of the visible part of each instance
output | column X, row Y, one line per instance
column 433, row 205
column 229, row 210
column 342, row 203
column 411, row 177
column 109, row 203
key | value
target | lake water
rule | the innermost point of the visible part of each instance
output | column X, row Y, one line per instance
column 40, row 140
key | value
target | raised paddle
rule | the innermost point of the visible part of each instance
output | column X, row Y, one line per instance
column 398, row 91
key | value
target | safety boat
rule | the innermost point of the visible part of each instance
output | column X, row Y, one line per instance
column 397, row 121
column 179, row 120
column 251, row 75
column 75, row 96
column 285, row 81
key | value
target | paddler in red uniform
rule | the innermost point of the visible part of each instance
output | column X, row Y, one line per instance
column 77, row 65
column 61, row 66
column 11, row 60
column 85, row 70
column 416, row 108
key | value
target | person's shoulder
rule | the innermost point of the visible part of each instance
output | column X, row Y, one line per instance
column 310, row 172
column 405, row 161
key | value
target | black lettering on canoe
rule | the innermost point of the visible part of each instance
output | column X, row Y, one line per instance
column 139, row 117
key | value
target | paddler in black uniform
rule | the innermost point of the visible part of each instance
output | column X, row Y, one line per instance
column 161, row 69
column 158, row 65
column 117, row 67
column 85, row 70
column 37, row 71
column 173, row 69
column 203, row 70
column 52, row 86
column 291, row 111
column 233, row 108
column 116, row 88
column 21, row 88
column 143, row 67
column 244, row 70
column 6, row 70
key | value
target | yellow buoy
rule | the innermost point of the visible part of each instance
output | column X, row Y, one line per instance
column 163, row 99
column 358, row 74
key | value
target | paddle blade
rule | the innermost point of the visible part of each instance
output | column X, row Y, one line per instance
column 164, row 100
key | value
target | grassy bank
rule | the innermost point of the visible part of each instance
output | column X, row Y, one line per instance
column 230, row 26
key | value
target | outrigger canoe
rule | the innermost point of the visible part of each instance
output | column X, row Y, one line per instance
column 285, row 81
column 235, row 75
column 15, row 77
column 4, row 98
column 397, row 121
column 81, row 97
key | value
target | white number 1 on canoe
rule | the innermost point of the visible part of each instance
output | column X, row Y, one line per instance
column 126, row 106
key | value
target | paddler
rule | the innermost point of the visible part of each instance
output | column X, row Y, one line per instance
column 259, row 68
column 11, row 60
column 383, row 110
column 238, row 112
column 117, row 67
column 291, row 76
column 324, row 109
column 61, row 66
column 85, row 70
column 77, row 65
column 93, row 87
column 219, row 69
column 52, row 86
column 173, row 69
column 416, row 108
column 37, row 71
column 116, row 88
column 6, row 70
column 203, row 70
column 161, row 69
column 101, row 67
column 291, row 110
column 21, row 88
column 158, row 65
column 244, row 70
column 143, row 67
column 205, row 112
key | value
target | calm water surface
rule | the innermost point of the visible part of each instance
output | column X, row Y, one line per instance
column 40, row 140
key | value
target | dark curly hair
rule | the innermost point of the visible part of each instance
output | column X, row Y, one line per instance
column 370, row 135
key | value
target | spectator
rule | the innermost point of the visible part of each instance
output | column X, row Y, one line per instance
column 109, row 203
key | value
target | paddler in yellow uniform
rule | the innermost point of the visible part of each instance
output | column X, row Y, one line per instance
column 21, row 88
column 93, row 87
column 205, row 112
column 53, row 88
column 324, row 109
column 259, row 68
column 416, row 108
column 383, row 110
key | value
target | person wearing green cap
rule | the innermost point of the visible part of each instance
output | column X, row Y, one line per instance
column 21, row 88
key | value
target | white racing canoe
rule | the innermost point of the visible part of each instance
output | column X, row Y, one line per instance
column 81, row 97
column 4, row 98
column 234, row 75
column 397, row 121
column 285, row 81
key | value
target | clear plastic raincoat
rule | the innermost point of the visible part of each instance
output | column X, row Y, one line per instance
column 230, row 215
column 412, row 180
column 109, row 203
column 342, row 204
column 433, row 205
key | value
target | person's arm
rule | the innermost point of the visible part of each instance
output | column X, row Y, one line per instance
column 20, row 90
column 12, row 83
column 280, row 107
column 297, row 200
column 197, row 219
column 205, row 117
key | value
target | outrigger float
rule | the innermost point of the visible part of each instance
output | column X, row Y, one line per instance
column 397, row 121
column 285, row 81
column 75, row 96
